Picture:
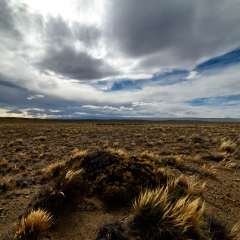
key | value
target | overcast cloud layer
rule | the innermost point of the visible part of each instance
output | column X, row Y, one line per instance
column 120, row 58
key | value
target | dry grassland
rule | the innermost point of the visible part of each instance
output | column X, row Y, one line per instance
column 119, row 180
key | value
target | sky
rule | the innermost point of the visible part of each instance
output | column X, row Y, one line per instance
column 111, row 59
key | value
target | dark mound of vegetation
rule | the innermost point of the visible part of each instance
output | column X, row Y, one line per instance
column 117, row 176
column 111, row 231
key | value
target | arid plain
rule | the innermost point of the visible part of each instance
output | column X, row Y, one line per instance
column 115, row 163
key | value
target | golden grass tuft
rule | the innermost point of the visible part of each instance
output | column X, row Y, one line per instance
column 151, row 203
column 20, row 141
column 65, row 188
column 34, row 226
column 163, row 173
column 40, row 138
column 188, row 186
column 234, row 233
column 228, row 165
column 208, row 171
column 76, row 157
column 228, row 146
column 115, row 144
column 78, row 154
column 5, row 185
column 202, row 188
column 153, row 208
column 150, row 156
column 118, row 152
column 73, row 178
column 54, row 169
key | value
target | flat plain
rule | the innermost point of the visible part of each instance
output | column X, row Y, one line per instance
column 205, row 154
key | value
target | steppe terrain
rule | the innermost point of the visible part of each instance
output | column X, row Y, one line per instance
column 117, row 161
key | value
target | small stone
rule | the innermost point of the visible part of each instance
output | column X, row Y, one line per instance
column 9, row 195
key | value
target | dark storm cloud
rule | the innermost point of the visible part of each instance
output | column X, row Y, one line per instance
column 10, row 95
column 57, row 31
column 144, row 27
column 89, row 35
column 178, row 30
column 7, row 83
column 63, row 58
column 76, row 65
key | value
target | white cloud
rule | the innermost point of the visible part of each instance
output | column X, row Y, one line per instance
column 193, row 75
column 54, row 111
column 35, row 97
column 108, row 108
column 135, row 104
column 81, row 113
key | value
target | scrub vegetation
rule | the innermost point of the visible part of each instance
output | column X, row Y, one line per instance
column 119, row 180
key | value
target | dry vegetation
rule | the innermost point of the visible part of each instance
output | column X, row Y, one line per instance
column 119, row 180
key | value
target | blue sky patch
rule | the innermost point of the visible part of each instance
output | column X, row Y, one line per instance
column 232, row 100
column 225, row 60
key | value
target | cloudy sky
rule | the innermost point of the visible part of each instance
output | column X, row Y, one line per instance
column 120, row 58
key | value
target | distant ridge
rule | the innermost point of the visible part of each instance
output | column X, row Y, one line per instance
column 223, row 120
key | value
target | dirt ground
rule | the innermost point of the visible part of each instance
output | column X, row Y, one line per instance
column 28, row 146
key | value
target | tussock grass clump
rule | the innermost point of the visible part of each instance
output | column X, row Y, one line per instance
column 228, row 146
column 115, row 144
column 40, row 138
column 196, row 139
column 157, row 217
column 234, row 233
column 228, row 165
column 55, row 197
column 164, row 173
column 202, row 188
column 150, row 156
column 76, row 154
column 20, row 141
column 208, row 171
column 5, row 185
column 34, row 226
column 53, row 170
column 118, row 152
column 76, row 158
column 181, row 186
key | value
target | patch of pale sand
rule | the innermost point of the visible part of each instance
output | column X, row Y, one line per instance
column 79, row 224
